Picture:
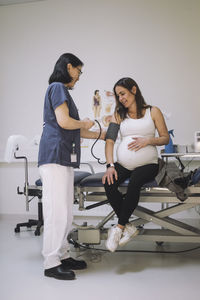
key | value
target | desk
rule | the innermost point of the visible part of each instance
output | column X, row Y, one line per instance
column 178, row 156
column 188, row 154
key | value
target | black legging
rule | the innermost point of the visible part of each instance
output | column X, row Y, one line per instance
column 124, row 206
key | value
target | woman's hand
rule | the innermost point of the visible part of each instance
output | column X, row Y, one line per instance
column 138, row 143
column 110, row 174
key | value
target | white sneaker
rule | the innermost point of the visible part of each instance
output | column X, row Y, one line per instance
column 129, row 232
column 114, row 235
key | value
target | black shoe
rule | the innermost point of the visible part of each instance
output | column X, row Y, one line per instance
column 60, row 272
column 70, row 263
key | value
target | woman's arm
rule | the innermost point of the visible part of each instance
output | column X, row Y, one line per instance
column 66, row 122
column 109, row 147
column 161, row 127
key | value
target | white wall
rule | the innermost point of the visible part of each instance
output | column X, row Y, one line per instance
column 156, row 42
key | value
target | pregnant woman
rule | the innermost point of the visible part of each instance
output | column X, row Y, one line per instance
column 137, row 156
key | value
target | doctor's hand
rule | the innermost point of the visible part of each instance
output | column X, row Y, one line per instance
column 110, row 174
column 138, row 143
column 87, row 123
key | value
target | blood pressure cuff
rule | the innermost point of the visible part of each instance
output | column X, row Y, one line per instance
column 112, row 131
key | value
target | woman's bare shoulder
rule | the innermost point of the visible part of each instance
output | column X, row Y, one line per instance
column 116, row 119
column 156, row 112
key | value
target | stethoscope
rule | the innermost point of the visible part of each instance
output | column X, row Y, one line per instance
column 98, row 159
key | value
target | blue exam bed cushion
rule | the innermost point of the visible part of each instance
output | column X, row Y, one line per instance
column 95, row 180
column 86, row 179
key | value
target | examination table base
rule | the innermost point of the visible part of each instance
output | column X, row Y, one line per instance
column 154, row 225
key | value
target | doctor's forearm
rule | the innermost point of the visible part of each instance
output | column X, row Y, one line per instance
column 87, row 134
column 71, row 124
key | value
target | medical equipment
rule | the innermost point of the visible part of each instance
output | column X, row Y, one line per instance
column 36, row 191
column 89, row 188
column 169, row 148
column 167, row 229
column 92, row 148
column 112, row 131
column 16, row 145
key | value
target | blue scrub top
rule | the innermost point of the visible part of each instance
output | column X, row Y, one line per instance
column 56, row 142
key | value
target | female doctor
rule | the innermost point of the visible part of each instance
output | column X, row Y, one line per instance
column 137, row 156
column 59, row 154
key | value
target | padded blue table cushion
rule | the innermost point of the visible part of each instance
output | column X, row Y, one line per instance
column 78, row 176
column 95, row 180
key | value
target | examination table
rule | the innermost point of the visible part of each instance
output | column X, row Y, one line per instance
column 89, row 188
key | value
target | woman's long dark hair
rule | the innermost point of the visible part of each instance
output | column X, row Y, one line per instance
column 60, row 72
column 129, row 83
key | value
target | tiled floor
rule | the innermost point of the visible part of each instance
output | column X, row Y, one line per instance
column 130, row 275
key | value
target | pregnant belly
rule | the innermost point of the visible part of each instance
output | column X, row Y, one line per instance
column 131, row 159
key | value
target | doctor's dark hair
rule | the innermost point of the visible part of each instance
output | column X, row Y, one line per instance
column 60, row 72
column 129, row 83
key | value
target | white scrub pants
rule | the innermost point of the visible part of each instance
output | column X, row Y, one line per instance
column 58, row 197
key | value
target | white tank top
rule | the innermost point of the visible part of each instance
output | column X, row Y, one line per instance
column 130, row 128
